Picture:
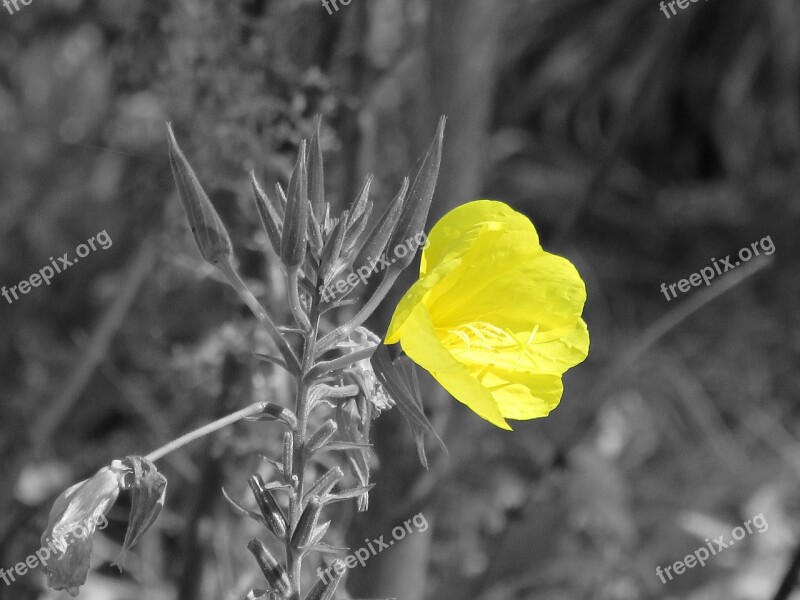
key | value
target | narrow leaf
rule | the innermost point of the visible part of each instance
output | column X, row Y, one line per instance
column 242, row 510
column 316, row 174
column 405, row 393
column 270, row 219
column 347, row 494
column 415, row 211
column 324, row 548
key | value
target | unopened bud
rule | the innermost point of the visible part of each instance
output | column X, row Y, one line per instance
column 321, row 437
column 269, row 508
column 273, row 571
column 308, row 521
column 210, row 234
column 295, row 225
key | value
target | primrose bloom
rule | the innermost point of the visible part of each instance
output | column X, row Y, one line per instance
column 72, row 523
column 80, row 511
column 493, row 317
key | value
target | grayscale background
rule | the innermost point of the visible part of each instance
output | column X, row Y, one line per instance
column 642, row 147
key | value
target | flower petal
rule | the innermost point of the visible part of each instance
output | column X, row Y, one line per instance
column 523, row 351
column 458, row 229
column 523, row 395
column 514, row 290
column 425, row 349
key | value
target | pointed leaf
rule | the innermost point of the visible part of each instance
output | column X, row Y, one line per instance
column 339, row 446
column 319, row 532
column 347, row 494
column 400, row 386
column 415, row 211
column 270, row 219
column 316, row 174
column 381, row 232
column 242, row 510
column 324, row 548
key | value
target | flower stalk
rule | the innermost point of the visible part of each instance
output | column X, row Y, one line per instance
column 312, row 247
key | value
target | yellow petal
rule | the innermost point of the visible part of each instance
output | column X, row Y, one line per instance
column 458, row 229
column 479, row 344
column 425, row 349
column 514, row 291
column 521, row 395
column 445, row 274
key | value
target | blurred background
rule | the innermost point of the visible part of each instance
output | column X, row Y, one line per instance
column 641, row 146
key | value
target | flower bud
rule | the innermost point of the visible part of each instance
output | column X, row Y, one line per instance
column 324, row 590
column 325, row 484
column 295, row 226
column 210, row 234
column 321, row 437
column 308, row 521
column 269, row 508
column 288, row 454
column 273, row 571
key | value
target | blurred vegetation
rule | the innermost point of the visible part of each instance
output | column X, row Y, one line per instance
column 641, row 147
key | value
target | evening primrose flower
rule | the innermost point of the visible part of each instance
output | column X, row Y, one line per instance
column 493, row 317
column 79, row 508
column 78, row 511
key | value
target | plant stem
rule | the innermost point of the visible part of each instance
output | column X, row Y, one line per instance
column 205, row 430
column 294, row 558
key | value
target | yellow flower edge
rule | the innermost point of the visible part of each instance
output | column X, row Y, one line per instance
column 494, row 318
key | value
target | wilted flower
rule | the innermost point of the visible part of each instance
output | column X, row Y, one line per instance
column 81, row 507
column 362, row 369
column 494, row 318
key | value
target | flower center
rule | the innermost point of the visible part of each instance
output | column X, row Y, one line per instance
column 480, row 335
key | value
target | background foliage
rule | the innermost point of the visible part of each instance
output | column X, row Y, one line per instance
column 641, row 147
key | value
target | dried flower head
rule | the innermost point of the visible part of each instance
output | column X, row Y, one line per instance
column 363, row 338
column 77, row 512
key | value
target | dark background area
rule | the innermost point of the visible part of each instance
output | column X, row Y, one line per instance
column 640, row 146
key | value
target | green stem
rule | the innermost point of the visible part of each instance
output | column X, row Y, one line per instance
column 259, row 311
column 205, row 430
column 294, row 558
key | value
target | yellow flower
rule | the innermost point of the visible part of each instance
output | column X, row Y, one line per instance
column 493, row 317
